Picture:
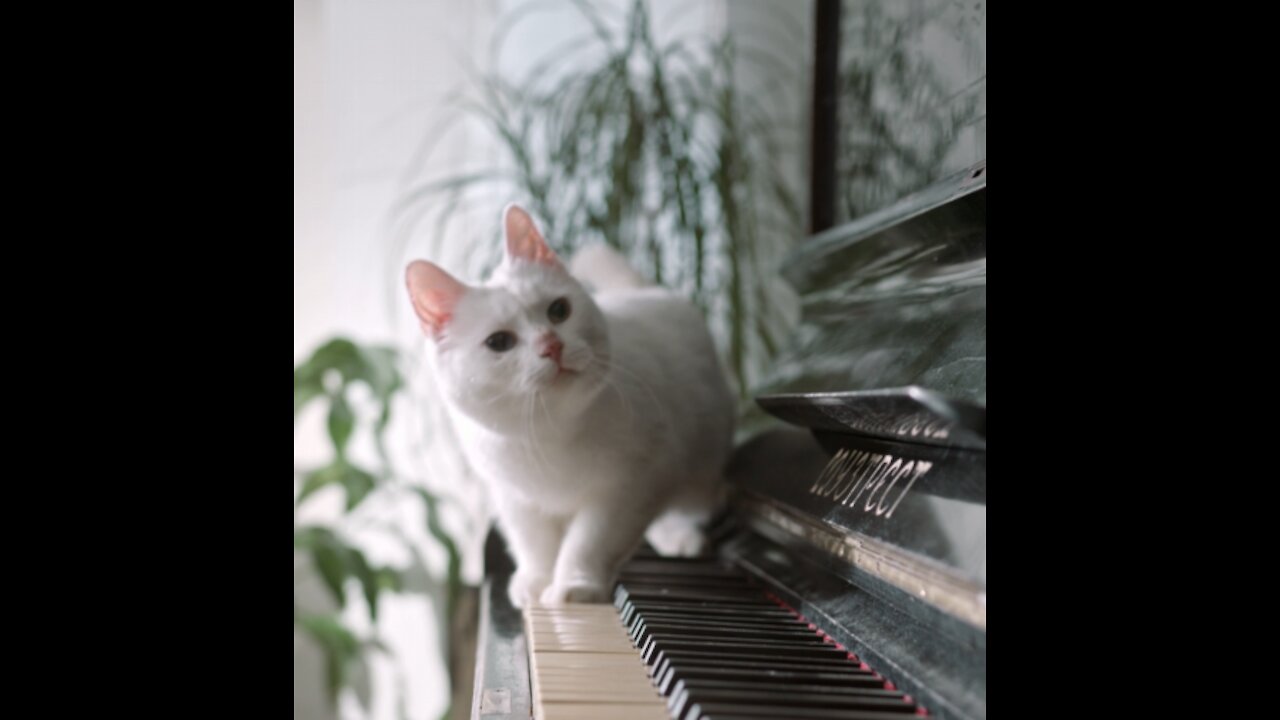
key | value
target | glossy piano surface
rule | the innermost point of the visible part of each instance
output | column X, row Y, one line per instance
column 895, row 299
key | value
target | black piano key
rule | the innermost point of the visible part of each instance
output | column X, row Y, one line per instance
column 809, row 688
column 690, row 595
column 733, row 711
column 733, row 632
column 711, row 608
column 702, row 609
column 799, row 700
column 718, row 647
column 698, row 577
column 644, row 621
column 854, row 678
column 659, row 569
column 681, row 572
column 756, row 651
column 661, row 641
column 775, row 623
column 764, row 663
column 641, row 626
column 758, row 660
column 656, row 645
column 705, row 614
column 682, row 699
column 716, row 619
column 737, row 584
column 731, row 635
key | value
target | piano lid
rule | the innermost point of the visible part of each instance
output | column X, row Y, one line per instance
column 911, row 414
column 894, row 300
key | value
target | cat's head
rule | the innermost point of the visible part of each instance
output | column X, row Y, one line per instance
column 528, row 344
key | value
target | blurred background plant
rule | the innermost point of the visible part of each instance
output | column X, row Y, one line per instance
column 332, row 374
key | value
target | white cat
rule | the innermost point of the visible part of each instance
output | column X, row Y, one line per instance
column 591, row 419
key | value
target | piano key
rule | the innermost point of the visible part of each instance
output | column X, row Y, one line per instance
column 758, row 652
column 686, row 687
column 637, row 568
column 813, row 640
column 733, row 711
column 657, row 642
column 710, row 608
column 582, row 665
column 631, row 608
column 799, row 700
column 688, row 690
column 724, row 630
column 715, row 613
column 771, row 674
column 643, row 626
column 705, row 639
column 641, row 631
column 596, row 711
column 689, row 595
column 680, row 571
column 762, row 660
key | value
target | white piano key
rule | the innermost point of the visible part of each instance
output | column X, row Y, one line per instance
column 582, row 665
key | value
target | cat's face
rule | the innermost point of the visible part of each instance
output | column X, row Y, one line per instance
column 529, row 346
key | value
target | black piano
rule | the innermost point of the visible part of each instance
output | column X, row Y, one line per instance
column 848, row 578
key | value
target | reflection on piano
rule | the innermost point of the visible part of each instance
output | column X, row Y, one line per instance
column 848, row 579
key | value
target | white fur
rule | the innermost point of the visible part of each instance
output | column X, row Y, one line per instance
column 580, row 465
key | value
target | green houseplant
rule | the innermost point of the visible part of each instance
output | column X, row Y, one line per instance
column 330, row 375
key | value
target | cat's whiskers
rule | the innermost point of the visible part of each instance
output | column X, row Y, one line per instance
column 536, row 452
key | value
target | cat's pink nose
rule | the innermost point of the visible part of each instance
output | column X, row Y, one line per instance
column 550, row 346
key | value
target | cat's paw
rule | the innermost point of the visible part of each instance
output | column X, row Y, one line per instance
column 576, row 592
column 677, row 539
column 525, row 589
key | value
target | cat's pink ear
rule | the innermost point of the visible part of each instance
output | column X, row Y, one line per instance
column 434, row 293
column 524, row 242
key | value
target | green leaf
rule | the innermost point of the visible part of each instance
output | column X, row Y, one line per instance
column 356, row 482
column 389, row 579
column 307, row 386
column 341, row 422
column 331, row 560
column 339, row 645
column 379, row 371
column 338, row 354
column 358, row 485
column 317, row 479
column 368, row 578
column 336, row 561
column 307, row 537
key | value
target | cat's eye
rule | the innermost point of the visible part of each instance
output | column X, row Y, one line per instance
column 500, row 341
column 559, row 310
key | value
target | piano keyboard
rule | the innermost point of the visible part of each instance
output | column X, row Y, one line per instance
column 693, row 639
